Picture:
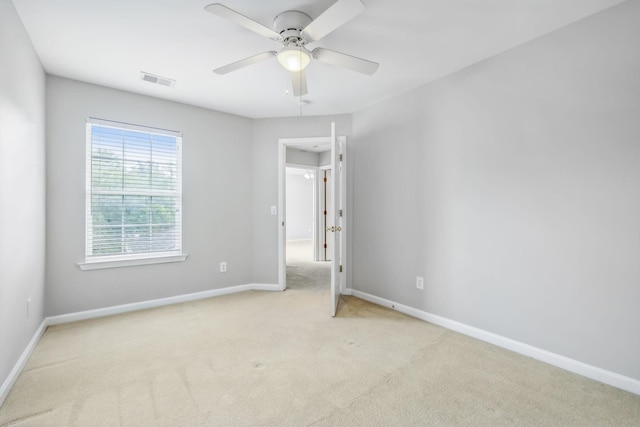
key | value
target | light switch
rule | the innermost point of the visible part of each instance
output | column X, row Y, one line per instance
column 274, row 210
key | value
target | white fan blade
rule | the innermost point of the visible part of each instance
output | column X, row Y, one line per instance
column 345, row 61
column 331, row 19
column 243, row 21
column 299, row 83
column 244, row 62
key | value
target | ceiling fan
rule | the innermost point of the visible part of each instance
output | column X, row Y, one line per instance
column 294, row 29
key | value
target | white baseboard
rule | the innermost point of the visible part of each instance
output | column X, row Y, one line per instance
column 22, row 361
column 143, row 305
column 607, row 377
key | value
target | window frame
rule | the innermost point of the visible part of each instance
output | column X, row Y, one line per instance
column 91, row 262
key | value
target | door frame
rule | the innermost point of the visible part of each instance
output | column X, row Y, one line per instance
column 282, row 236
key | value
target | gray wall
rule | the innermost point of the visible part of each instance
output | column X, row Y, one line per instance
column 300, row 157
column 217, row 217
column 324, row 158
column 512, row 187
column 266, row 133
column 22, row 189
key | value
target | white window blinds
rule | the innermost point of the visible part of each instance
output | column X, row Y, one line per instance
column 134, row 191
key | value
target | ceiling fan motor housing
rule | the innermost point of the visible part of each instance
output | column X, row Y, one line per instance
column 289, row 25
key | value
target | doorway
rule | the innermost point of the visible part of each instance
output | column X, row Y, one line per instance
column 332, row 220
column 306, row 264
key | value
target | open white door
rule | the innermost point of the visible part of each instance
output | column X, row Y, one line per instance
column 337, row 195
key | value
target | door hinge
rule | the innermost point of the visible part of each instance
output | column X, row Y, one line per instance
column 340, row 269
column 340, row 212
column 340, row 157
column 325, row 246
column 325, row 179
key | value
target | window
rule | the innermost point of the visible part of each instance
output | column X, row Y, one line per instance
column 134, row 195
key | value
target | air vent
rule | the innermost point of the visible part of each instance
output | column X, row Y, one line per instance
column 152, row 78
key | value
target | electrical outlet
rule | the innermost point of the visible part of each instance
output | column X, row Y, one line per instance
column 223, row 267
column 274, row 210
column 420, row 282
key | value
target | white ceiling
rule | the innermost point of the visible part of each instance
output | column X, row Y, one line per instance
column 108, row 42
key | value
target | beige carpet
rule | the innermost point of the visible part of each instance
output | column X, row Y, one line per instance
column 302, row 271
column 279, row 359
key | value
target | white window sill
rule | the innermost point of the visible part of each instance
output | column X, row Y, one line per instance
column 115, row 263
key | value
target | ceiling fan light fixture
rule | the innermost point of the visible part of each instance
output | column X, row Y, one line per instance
column 293, row 58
